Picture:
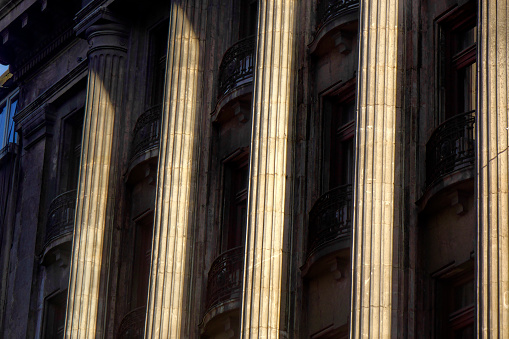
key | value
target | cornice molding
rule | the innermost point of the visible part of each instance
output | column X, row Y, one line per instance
column 77, row 73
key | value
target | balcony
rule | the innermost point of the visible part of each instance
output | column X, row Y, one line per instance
column 144, row 144
column 451, row 148
column 236, row 68
column 146, row 131
column 329, row 9
column 132, row 325
column 61, row 216
column 330, row 219
column 225, row 278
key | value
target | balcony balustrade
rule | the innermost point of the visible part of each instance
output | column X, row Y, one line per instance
column 225, row 277
column 237, row 66
column 451, row 147
column 61, row 216
column 146, row 131
column 328, row 9
column 132, row 325
column 331, row 217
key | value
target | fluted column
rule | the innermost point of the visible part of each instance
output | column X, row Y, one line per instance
column 377, row 177
column 268, row 215
column 168, row 310
column 493, row 171
column 107, row 60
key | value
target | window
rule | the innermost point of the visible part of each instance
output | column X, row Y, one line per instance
column 455, row 306
column 55, row 315
column 142, row 257
column 339, row 132
column 457, row 62
column 71, row 151
column 157, row 63
column 236, row 180
column 7, row 111
column 248, row 12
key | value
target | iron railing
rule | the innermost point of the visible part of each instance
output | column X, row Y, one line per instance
column 331, row 217
column 328, row 9
column 225, row 277
column 237, row 65
column 132, row 325
column 61, row 216
column 451, row 147
column 146, row 131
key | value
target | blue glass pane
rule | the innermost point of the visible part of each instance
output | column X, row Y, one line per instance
column 13, row 136
column 3, row 114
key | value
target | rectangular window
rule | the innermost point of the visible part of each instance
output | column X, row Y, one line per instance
column 455, row 306
column 457, row 62
column 55, row 315
column 236, row 181
column 157, row 63
column 71, row 151
column 7, row 111
column 339, row 131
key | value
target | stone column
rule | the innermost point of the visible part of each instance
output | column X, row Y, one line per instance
column 169, row 287
column 493, row 171
column 377, row 177
column 268, row 213
column 107, row 60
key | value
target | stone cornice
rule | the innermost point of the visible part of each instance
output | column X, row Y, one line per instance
column 65, row 36
column 74, row 74
column 38, row 125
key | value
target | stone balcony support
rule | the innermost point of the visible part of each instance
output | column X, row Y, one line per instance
column 172, row 249
column 270, row 178
column 493, row 171
column 377, row 191
column 96, row 194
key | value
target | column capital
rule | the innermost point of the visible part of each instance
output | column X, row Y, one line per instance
column 103, row 31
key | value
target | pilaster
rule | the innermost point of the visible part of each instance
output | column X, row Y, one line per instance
column 96, row 192
column 492, row 171
column 168, row 309
column 377, row 185
column 270, row 178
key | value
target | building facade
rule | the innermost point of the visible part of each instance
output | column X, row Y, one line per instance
column 254, row 168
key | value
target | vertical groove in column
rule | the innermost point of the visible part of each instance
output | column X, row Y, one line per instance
column 167, row 310
column 493, row 171
column 272, row 109
column 105, row 83
column 376, row 183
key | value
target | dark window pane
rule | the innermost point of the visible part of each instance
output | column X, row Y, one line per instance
column 3, row 116
column 12, row 136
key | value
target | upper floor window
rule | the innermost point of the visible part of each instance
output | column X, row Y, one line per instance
column 157, row 63
column 455, row 305
column 71, row 151
column 339, row 132
column 248, row 12
column 236, row 179
column 54, row 315
column 457, row 62
column 7, row 111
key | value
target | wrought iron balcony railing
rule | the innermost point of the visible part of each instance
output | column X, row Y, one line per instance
column 331, row 217
column 132, row 325
column 225, row 277
column 237, row 66
column 328, row 9
column 146, row 131
column 451, row 147
column 61, row 216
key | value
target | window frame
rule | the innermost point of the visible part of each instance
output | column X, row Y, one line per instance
column 335, row 138
column 450, row 61
column 9, row 119
column 233, row 166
